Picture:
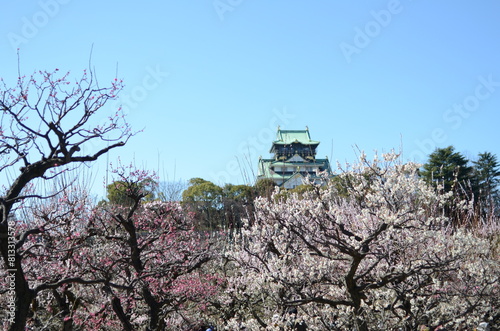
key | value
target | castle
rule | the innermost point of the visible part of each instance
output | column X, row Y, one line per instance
column 294, row 160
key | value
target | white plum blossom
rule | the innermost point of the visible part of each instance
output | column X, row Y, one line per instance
column 371, row 250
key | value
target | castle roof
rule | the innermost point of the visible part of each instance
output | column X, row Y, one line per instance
column 286, row 137
column 294, row 159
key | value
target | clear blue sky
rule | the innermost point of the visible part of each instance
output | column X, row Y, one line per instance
column 210, row 81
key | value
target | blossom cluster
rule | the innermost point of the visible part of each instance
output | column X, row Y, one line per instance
column 374, row 252
column 371, row 250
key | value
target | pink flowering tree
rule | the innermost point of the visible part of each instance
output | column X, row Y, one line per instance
column 54, row 260
column 370, row 251
column 152, row 259
column 48, row 126
column 114, row 266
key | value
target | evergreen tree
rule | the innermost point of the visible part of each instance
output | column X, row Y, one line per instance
column 447, row 167
column 238, row 202
column 486, row 179
column 265, row 187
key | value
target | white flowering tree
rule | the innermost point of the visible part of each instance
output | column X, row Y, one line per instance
column 368, row 252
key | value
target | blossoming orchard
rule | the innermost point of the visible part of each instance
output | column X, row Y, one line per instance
column 374, row 247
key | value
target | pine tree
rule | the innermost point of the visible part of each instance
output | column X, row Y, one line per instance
column 447, row 167
column 486, row 173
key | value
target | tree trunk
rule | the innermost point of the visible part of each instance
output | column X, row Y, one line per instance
column 118, row 309
column 24, row 297
column 355, row 294
column 154, row 311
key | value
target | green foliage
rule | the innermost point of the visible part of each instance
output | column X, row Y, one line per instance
column 205, row 199
column 238, row 204
column 487, row 174
column 125, row 193
column 265, row 187
column 301, row 189
column 218, row 207
column 477, row 184
column 202, row 191
column 241, row 193
column 446, row 167
column 341, row 183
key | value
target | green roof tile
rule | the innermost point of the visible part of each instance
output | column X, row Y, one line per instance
column 293, row 161
column 285, row 137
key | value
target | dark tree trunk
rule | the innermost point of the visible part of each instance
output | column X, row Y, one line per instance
column 118, row 309
column 24, row 297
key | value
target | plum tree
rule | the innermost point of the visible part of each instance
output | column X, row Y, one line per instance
column 48, row 127
column 375, row 255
